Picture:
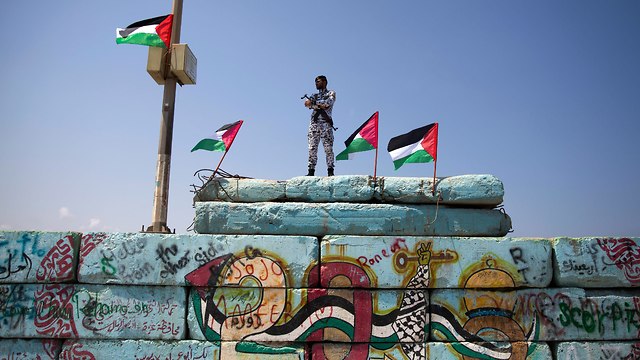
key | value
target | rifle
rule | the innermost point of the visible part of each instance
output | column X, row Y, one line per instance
column 319, row 112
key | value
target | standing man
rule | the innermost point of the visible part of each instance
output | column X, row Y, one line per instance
column 321, row 125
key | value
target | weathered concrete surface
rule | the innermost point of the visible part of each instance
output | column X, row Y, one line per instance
column 562, row 314
column 480, row 350
column 319, row 219
column 350, row 188
column 598, row 350
column 139, row 349
column 159, row 259
column 308, row 315
column 38, row 257
column 92, row 311
column 242, row 190
column 16, row 349
column 258, row 351
column 451, row 262
column 468, row 190
column 597, row 262
column 369, row 351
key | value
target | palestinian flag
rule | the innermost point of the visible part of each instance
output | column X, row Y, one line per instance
column 150, row 32
column 222, row 140
column 363, row 139
column 417, row 146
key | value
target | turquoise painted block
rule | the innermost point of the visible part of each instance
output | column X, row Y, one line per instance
column 597, row 262
column 275, row 315
column 159, row 259
column 559, row 314
column 92, row 311
column 350, row 188
column 447, row 262
column 488, row 350
column 370, row 351
column 16, row 349
column 319, row 219
column 598, row 350
column 469, row 190
column 258, row 351
column 38, row 257
column 139, row 349
column 242, row 190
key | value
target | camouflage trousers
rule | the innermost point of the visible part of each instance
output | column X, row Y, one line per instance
column 320, row 130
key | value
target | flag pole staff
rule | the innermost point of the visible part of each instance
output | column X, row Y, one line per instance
column 433, row 188
column 226, row 151
column 163, row 165
column 375, row 161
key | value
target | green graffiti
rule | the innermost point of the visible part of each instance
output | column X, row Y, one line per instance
column 599, row 320
column 107, row 268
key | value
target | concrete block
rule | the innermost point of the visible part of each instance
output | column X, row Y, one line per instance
column 562, row 314
column 319, row 219
column 598, row 350
column 17, row 349
column 350, row 188
column 368, row 351
column 488, row 350
column 38, row 257
column 160, row 259
column 139, row 349
column 92, row 311
column 597, row 262
column 447, row 262
column 260, row 351
column 469, row 190
column 242, row 190
column 277, row 315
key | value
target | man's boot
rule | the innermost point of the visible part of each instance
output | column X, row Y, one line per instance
column 312, row 172
column 330, row 171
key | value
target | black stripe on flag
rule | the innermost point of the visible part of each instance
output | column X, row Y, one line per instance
column 228, row 126
column 409, row 138
column 131, row 28
column 355, row 133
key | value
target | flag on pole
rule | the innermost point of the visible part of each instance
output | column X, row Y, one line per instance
column 150, row 32
column 222, row 140
column 363, row 139
column 417, row 146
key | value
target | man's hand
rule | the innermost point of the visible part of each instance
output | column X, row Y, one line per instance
column 307, row 103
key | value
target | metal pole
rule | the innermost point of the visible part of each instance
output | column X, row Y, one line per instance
column 163, row 165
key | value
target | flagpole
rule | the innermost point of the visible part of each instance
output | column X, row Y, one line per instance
column 163, row 165
column 433, row 188
column 227, row 150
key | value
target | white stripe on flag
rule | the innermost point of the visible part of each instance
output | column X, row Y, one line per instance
column 405, row 151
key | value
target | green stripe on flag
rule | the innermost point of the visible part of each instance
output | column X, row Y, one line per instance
column 142, row 39
column 210, row 145
column 357, row 145
column 419, row 156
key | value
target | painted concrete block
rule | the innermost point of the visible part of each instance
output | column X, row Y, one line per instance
column 559, row 314
column 242, row 190
column 139, row 350
column 277, row 315
column 19, row 349
column 260, row 351
column 319, row 219
column 598, row 350
column 349, row 188
column 159, row 259
column 37, row 257
column 441, row 262
column 597, row 262
column 488, row 350
column 92, row 311
column 368, row 351
column 470, row 190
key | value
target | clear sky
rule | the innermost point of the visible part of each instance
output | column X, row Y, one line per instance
column 545, row 95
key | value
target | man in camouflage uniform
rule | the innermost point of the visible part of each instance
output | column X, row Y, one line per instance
column 321, row 125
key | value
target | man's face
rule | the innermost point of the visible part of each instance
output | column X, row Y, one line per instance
column 320, row 84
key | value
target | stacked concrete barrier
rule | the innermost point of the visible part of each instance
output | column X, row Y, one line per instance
column 323, row 268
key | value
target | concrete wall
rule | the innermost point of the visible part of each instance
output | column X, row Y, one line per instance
column 325, row 296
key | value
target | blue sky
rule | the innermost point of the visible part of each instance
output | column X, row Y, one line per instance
column 544, row 95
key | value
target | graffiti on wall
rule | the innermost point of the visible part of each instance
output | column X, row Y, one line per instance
column 624, row 253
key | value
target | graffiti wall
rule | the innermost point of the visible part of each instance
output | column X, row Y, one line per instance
column 326, row 287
